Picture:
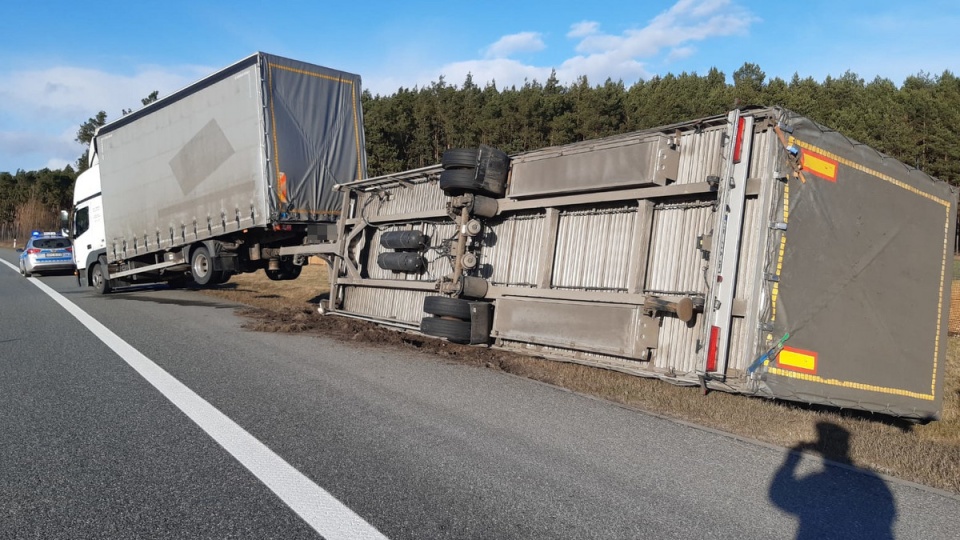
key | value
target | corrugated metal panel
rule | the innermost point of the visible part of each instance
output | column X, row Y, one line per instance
column 511, row 251
column 392, row 305
column 593, row 249
column 753, row 227
column 677, row 352
column 700, row 155
column 675, row 263
column 420, row 196
column 741, row 353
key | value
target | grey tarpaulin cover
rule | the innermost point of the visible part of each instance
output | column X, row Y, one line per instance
column 316, row 123
column 856, row 279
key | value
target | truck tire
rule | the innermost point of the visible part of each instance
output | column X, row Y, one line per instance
column 451, row 330
column 99, row 281
column 459, row 158
column 179, row 282
column 460, row 181
column 201, row 267
column 443, row 306
column 287, row 271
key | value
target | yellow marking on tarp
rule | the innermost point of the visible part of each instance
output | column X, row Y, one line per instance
column 356, row 131
column 819, row 165
column 943, row 274
column 848, row 384
column 775, row 292
column 798, row 359
column 871, row 172
column 312, row 74
column 273, row 121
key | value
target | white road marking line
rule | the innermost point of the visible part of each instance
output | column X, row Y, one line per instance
column 321, row 510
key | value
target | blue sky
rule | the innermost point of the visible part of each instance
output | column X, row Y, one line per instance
column 61, row 62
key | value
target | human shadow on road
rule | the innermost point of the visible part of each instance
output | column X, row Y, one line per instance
column 838, row 501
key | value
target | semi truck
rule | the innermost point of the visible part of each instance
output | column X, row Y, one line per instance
column 214, row 179
column 755, row 252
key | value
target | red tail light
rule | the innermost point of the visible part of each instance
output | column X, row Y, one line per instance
column 714, row 346
column 69, row 250
column 33, row 251
column 738, row 147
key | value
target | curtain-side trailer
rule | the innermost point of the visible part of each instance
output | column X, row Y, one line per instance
column 756, row 252
column 217, row 177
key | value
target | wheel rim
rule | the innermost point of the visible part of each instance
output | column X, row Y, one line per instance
column 98, row 278
column 201, row 266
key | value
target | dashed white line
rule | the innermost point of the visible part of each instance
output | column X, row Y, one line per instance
column 321, row 510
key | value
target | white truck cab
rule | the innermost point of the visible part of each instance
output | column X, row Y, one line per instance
column 86, row 228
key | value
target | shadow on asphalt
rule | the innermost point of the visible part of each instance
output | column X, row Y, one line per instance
column 840, row 501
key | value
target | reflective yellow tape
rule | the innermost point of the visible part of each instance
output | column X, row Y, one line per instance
column 819, row 165
column 850, row 384
column 798, row 360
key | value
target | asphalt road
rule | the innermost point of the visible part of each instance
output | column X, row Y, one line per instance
column 152, row 414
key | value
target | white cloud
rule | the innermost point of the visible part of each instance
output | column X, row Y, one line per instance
column 583, row 29
column 43, row 108
column 679, row 53
column 57, row 163
column 515, row 43
column 685, row 22
column 504, row 71
column 626, row 55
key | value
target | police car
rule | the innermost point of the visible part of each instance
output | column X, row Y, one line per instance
column 46, row 252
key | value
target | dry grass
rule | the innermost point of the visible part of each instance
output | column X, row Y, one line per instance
column 926, row 454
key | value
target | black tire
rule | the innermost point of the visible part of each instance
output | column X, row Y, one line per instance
column 178, row 282
column 452, row 330
column 201, row 267
column 459, row 158
column 443, row 306
column 292, row 271
column 100, row 283
column 460, row 181
column 287, row 271
column 223, row 277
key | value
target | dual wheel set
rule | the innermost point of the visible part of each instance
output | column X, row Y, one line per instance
column 450, row 318
column 479, row 172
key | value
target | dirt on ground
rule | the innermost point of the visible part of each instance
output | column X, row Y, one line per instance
column 927, row 454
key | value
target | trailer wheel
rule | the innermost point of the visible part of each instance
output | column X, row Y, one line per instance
column 452, row 330
column 442, row 306
column 201, row 266
column 460, row 181
column 100, row 283
column 459, row 158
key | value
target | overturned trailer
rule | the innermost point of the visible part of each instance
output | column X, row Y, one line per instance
column 756, row 252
